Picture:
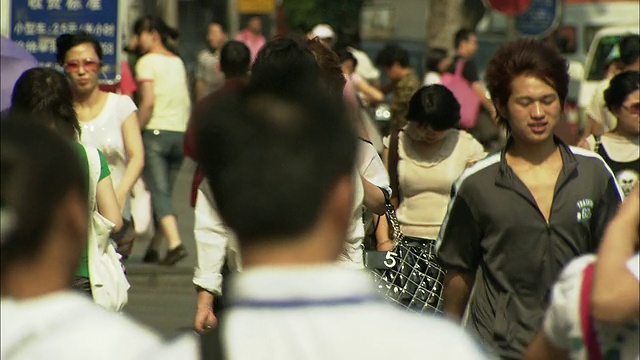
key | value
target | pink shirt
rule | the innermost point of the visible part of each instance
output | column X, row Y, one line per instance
column 253, row 42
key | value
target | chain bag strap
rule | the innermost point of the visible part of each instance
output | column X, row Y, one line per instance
column 392, row 219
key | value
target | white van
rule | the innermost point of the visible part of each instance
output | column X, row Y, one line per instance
column 605, row 42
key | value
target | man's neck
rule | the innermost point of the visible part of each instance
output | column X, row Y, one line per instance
column 24, row 281
column 633, row 67
column 532, row 153
column 311, row 249
column 404, row 72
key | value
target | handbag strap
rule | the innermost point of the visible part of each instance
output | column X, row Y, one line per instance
column 94, row 168
column 393, row 159
column 586, row 321
column 459, row 67
column 392, row 219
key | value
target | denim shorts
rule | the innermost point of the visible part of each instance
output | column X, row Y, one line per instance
column 163, row 154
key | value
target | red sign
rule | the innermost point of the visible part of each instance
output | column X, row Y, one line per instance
column 509, row 7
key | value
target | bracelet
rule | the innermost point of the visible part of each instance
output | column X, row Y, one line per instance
column 384, row 242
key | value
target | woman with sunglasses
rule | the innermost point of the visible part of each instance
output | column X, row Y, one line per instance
column 109, row 121
column 620, row 147
column 164, row 109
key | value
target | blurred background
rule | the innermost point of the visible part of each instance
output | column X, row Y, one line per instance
column 586, row 32
column 581, row 29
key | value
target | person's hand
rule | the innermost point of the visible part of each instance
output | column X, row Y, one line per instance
column 205, row 318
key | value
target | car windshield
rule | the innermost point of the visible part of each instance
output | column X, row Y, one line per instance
column 607, row 45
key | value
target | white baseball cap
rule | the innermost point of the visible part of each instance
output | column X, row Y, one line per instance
column 323, row 31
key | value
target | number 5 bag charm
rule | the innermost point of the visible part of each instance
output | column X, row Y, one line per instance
column 410, row 274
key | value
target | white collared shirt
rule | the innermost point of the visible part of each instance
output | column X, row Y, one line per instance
column 328, row 312
column 66, row 325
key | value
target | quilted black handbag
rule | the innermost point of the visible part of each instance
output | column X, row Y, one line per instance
column 409, row 275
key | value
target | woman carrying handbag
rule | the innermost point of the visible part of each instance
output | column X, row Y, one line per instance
column 423, row 159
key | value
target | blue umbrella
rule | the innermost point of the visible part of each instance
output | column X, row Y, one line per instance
column 14, row 60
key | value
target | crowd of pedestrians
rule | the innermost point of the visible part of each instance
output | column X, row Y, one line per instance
column 289, row 186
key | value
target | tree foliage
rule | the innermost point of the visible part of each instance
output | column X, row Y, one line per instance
column 446, row 17
column 302, row 15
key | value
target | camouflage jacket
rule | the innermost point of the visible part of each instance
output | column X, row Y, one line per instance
column 402, row 92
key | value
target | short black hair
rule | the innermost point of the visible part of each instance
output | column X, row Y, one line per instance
column 393, row 53
column 344, row 55
column 65, row 42
column 436, row 106
column 219, row 23
column 271, row 159
column 530, row 57
column 620, row 86
column 46, row 93
column 462, row 35
column 166, row 32
column 235, row 59
column 283, row 65
column 39, row 169
column 434, row 57
column 629, row 49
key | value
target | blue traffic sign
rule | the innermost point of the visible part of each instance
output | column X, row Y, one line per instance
column 540, row 19
column 35, row 25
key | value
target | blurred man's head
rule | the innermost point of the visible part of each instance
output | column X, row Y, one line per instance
column 630, row 52
column 254, row 24
column 235, row 59
column 394, row 60
column 466, row 43
column 283, row 65
column 280, row 170
column 44, row 208
column 215, row 36
column 331, row 74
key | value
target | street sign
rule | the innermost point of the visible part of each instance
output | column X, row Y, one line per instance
column 509, row 7
column 256, row 6
column 540, row 19
column 35, row 25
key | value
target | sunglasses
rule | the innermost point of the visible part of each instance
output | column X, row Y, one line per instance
column 87, row 64
column 633, row 108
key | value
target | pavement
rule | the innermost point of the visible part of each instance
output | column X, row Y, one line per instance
column 164, row 297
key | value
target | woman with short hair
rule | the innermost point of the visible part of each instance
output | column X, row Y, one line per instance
column 620, row 147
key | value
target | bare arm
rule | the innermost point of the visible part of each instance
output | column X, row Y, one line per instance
column 616, row 304
column 382, row 231
column 135, row 154
column 107, row 203
column 199, row 89
column 542, row 349
column 373, row 197
column 372, row 93
column 456, row 292
column 486, row 102
column 147, row 101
